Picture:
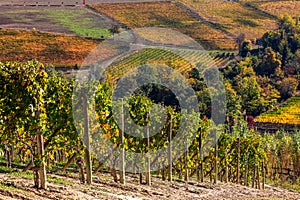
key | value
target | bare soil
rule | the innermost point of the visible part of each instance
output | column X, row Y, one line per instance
column 41, row 19
column 13, row 187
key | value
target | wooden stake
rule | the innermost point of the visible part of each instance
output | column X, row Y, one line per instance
column 258, row 177
column 148, row 174
column 216, row 157
column 186, row 175
column 170, row 161
column 41, row 171
column 246, row 173
column 87, row 154
column 238, row 161
column 226, row 167
column 122, row 171
column 201, row 158
column 263, row 174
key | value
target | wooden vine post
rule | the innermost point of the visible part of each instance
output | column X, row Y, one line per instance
column 258, row 178
column 263, row 174
column 122, row 171
column 238, row 160
column 226, row 165
column 87, row 153
column 201, row 157
column 41, row 170
column 170, row 161
column 148, row 163
column 246, row 172
column 186, row 175
column 215, row 132
column 254, row 177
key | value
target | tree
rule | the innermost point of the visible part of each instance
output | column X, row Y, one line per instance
column 269, row 94
column 287, row 87
column 249, row 90
column 271, row 39
column 288, row 25
column 269, row 64
column 115, row 29
column 239, row 40
column 245, row 48
column 233, row 102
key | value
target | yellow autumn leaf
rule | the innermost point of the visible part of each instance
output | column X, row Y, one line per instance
column 107, row 135
column 117, row 133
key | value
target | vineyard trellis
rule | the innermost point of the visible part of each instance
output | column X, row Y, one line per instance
column 243, row 156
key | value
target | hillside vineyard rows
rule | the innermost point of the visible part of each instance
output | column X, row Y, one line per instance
column 62, row 128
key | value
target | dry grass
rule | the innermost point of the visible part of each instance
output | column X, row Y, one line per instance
column 208, row 37
column 233, row 17
column 280, row 8
column 59, row 50
column 136, row 15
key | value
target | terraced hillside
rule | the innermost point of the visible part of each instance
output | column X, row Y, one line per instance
column 167, row 15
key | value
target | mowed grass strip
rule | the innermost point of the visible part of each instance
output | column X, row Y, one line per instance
column 54, row 49
column 166, row 15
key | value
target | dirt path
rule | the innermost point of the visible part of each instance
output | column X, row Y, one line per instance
column 13, row 187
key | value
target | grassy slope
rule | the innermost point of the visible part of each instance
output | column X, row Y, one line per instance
column 287, row 113
column 59, row 50
column 279, row 8
column 81, row 22
column 166, row 15
column 233, row 17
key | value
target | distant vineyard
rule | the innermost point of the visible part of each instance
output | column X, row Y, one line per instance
column 280, row 8
column 288, row 113
column 181, row 62
column 167, row 15
column 233, row 17
column 53, row 49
